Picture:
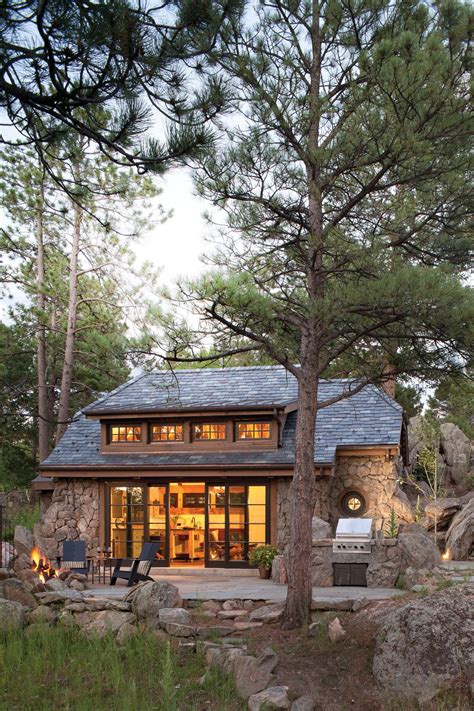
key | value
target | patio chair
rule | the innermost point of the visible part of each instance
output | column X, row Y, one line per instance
column 74, row 557
column 139, row 568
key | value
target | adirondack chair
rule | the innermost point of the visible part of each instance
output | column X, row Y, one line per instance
column 74, row 557
column 139, row 567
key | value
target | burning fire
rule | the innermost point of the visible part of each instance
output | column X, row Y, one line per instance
column 41, row 565
column 446, row 555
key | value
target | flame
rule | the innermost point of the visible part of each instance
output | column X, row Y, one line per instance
column 40, row 563
column 446, row 555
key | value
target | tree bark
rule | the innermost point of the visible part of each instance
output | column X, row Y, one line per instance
column 68, row 363
column 298, row 601
column 44, row 423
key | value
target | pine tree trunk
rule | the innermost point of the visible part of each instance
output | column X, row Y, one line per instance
column 298, row 601
column 68, row 363
column 44, row 423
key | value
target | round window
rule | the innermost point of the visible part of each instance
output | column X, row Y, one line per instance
column 353, row 503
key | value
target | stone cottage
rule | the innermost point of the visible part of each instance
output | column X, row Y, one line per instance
column 201, row 461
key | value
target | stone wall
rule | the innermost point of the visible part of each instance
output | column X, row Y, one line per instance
column 72, row 514
column 376, row 479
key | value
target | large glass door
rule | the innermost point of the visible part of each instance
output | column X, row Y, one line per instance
column 236, row 522
column 127, row 520
column 158, row 521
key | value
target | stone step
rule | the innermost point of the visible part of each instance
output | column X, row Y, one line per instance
column 158, row 573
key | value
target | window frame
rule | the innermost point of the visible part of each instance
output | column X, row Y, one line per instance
column 348, row 511
column 181, row 440
column 209, row 423
column 252, row 439
column 127, row 425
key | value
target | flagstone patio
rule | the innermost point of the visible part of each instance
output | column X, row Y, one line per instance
column 222, row 587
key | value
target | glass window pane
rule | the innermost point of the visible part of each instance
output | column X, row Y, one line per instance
column 167, row 433
column 125, row 433
column 209, row 431
column 253, row 430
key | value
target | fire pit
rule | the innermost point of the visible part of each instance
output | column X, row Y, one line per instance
column 42, row 566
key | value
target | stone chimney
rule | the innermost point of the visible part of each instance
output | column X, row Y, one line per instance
column 389, row 380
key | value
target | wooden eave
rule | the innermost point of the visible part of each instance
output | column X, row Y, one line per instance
column 184, row 412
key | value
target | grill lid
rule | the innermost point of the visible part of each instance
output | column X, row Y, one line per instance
column 360, row 528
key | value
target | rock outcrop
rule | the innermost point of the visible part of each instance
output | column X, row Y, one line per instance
column 427, row 645
column 460, row 536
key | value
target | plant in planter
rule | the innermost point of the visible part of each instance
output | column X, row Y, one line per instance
column 262, row 557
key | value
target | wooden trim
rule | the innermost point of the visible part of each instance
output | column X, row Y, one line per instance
column 102, row 514
column 194, row 473
column 184, row 412
column 273, row 512
column 369, row 451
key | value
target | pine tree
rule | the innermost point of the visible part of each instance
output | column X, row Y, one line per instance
column 343, row 178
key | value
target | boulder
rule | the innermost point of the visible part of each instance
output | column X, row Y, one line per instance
column 427, row 645
column 211, row 606
column 460, row 536
column 16, row 591
column 174, row 614
column 304, row 703
column 383, row 575
column 42, row 614
column 253, row 674
column 147, row 599
column 21, row 562
column 336, row 633
column 456, row 450
column 12, row 615
column 214, row 631
column 4, row 574
column 418, row 550
column 99, row 624
column 126, row 631
column 268, row 613
column 443, row 509
column 23, row 541
column 276, row 697
column 320, row 529
column 231, row 614
column 29, row 577
column 233, row 605
column 223, row 657
column 55, row 585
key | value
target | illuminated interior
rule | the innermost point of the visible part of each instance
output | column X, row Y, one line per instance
column 209, row 430
column 126, row 433
column 253, row 430
column 237, row 516
column 167, row 433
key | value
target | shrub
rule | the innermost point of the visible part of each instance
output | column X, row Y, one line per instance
column 263, row 556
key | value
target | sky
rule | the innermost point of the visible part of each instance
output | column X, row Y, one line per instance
column 177, row 244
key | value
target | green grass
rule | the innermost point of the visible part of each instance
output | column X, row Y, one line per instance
column 56, row 668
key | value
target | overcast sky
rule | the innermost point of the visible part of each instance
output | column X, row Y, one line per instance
column 177, row 244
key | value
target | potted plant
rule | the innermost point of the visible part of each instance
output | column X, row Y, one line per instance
column 262, row 557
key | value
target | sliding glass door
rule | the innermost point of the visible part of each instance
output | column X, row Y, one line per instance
column 236, row 522
column 138, row 514
column 212, row 524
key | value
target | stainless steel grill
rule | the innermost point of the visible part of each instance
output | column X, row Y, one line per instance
column 353, row 535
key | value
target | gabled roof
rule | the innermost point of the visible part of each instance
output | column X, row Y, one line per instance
column 368, row 418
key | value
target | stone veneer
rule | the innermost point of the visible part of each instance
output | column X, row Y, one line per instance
column 374, row 477
column 73, row 514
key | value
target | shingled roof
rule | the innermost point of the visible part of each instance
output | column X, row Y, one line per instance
column 368, row 418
